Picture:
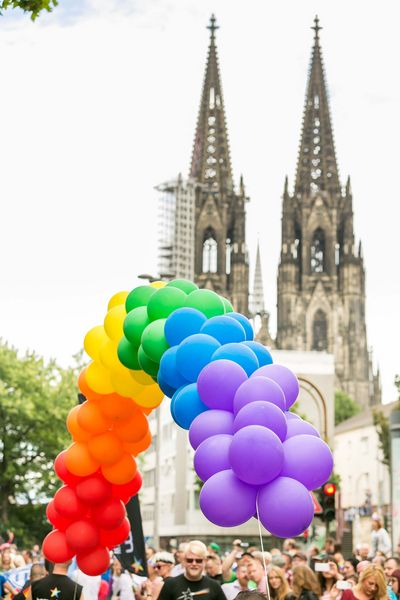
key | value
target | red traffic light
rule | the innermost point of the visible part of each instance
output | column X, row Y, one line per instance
column 329, row 489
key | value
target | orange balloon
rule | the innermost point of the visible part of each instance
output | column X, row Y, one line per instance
column 121, row 471
column 106, row 448
column 91, row 418
column 133, row 429
column 140, row 446
column 85, row 389
column 79, row 461
column 146, row 411
column 116, row 407
column 76, row 431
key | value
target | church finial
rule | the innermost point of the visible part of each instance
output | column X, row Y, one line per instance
column 286, row 186
column 316, row 28
column 213, row 26
column 258, row 306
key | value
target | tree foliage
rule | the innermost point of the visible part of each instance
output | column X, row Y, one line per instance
column 34, row 7
column 382, row 427
column 35, row 399
column 345, row 407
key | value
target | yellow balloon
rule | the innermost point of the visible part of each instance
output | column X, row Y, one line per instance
column 93, row 341
column 98, row 379
column 150, row 397
column 158, row 284
column 117, row 299
column 109, row 356
column 113, row 323
column 142, row 377
column 124, row 384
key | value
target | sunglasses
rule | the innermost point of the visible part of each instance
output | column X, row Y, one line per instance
column 159, row 565
column 198, row 561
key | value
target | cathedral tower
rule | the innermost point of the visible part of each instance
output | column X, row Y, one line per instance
column 321, row 278
column 220, row 261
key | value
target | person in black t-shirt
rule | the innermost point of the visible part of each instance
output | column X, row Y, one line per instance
column 192, row 582
column 56, row 586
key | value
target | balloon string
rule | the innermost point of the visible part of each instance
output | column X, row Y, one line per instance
column 262, row 551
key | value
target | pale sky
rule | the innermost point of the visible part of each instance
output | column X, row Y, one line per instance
column 99, row 101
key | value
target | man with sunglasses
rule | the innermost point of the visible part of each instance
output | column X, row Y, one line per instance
column 192, row 582
column 164, row 563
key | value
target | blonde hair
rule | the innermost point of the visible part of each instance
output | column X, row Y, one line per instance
column 304, row 579
column 377, row 572
column 283, row 589
column 197, row 547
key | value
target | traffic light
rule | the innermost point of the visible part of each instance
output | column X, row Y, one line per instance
column 326, row 498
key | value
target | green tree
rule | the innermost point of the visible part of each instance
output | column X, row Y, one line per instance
column 382, row 427
column 345, row 407
column 35, row 398
column 34, row 7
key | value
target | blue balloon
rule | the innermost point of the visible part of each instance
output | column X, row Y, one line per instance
column 169, row 371
column 240, row 354
column 186, row 405
column 194, row 353
column 224, row 329
column 245, row 323
column 262, row 353
column 182, row 323
column 166, row 389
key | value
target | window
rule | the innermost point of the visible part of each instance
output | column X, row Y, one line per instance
column 149, row 478
column 364, row 445
column 318, row 251
column 210, row 252
column 320, row 332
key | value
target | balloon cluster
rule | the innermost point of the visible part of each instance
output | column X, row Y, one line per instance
column 254, row 456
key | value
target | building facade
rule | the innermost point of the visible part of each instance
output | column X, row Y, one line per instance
column 321, row 277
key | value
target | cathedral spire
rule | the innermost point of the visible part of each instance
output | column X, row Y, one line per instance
column 211, row 162
column 317, row 167
column 258, row 305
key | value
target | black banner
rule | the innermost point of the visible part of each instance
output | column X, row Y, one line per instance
column 132, row 553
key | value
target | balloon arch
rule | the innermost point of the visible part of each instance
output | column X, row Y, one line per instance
column 255, row 457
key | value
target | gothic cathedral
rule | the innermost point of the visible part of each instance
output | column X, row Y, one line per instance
column 321, row 277
column 221, row 261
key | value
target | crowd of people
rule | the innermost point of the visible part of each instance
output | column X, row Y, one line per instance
column 194, row 569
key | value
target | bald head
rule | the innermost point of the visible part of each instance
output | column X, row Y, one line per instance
column 37, row 572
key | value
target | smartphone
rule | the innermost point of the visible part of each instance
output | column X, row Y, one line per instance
column 343, row 585
column 322, row 567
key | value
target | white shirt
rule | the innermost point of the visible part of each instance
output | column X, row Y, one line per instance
column 232, row 589
column 91, row 585
column 177, row 570
column 124, row 585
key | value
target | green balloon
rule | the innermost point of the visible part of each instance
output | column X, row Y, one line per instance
column 207, row 302
column 154, row 343
column 135, row 323
column 139, row 296
column 128, row 354
column 183, row 284
column 227, row 304
column 164, row 302
column 148, row 365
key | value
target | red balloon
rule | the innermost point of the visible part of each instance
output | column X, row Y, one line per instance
column 55, row 547
column 57, row 520
column 114, row 537
column 62, row 471
column 94, row 489
column 82, row 536
column 67, row 503
column 110, row 514
column 94, row 562
column 127, row 490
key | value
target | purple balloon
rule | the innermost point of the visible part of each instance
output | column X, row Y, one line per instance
column 285, row 378
column 211, row 422
column 285, row 507
column 256, row 455
column 226, row 501
column 307, row 459
column 258, row 388
column 291, row 415
column 212, row 456
column 218, row 382
column 298, row 427
column 262, row 413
